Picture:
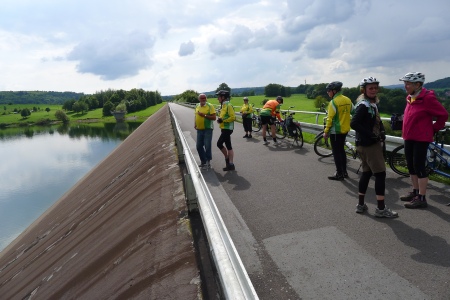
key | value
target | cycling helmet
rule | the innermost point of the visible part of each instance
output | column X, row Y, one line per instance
column 223, row 93
column 280, row 99
column 367, row 81
column 335, row 85
column 245, row 99
column 413, row 77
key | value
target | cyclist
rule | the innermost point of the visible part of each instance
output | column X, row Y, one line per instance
column 226, row 121
column 269, row 112
column 337, row 127
column 370, row 134
column 246, row 112
column 418, row 129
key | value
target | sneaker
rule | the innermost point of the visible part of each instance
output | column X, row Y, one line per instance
column 229, row 168
column 345, row 175
column 250, row 136
column 408, row 197
column 416, row 203
column 202, row 165
column 245, row 136
column 208, row 164
column 277, row 144
column 385, row 213
column 361, row 208
column 266, row 143
column 336, row 176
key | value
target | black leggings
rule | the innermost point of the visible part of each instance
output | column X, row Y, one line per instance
column 340, row 158
column 380, row 182
column 247, row 122
column 416, row 155
column 225, row 137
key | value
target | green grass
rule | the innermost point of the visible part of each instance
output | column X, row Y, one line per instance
column 10, row 118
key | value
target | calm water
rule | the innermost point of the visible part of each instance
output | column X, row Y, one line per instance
column 38, row 165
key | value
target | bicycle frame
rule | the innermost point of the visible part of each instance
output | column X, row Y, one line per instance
column 437, row 155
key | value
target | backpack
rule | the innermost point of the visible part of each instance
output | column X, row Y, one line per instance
column 396, row 121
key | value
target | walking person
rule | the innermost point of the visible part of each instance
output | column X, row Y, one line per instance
column 369, row 139
column 268, row 114
column 205, row 115
column 226, row 121
column 337, row 127
column 246, row 112
column 418, row 129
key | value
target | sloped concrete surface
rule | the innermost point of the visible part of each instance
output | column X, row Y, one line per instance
column 121, row 232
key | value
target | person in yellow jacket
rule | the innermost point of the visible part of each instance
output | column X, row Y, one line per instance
column 337, row 127
column 246, row 112
column 205, row 115
column 226, row 122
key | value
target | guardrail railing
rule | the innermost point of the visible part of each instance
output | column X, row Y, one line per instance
column 232, row 274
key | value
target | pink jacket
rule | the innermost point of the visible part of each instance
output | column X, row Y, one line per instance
column 419, row 114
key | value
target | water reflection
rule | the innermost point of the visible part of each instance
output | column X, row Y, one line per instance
column 39, row 164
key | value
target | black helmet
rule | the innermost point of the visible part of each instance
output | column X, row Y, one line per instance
column 335, row 85
column 223, row 93
column 280, row 99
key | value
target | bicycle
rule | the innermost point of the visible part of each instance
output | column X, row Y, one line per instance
column 289, row 127
column 256, row 120
column 322, row 146
column 437, row 160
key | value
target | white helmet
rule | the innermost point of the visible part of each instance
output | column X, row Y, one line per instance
column 413, row 77
column 368, row 80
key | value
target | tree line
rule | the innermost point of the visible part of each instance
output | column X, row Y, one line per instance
column 391, row 100
column 114, row 100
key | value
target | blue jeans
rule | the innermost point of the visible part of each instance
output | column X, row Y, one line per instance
column 204, row 138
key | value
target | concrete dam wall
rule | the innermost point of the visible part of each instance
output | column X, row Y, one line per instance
column 121, row 232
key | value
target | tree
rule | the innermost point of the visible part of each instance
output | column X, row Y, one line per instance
column 107, row 108
column 319, row 100
column 61, row 115
column 274, row 90
column 47, row 109
column 223, row 86
column 189, row 96
column 25, row 113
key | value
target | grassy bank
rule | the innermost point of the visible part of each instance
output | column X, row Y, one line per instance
column 9, row 118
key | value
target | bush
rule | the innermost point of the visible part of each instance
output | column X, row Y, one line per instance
column 61, row 115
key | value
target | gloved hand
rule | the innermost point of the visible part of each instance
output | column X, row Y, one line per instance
column 219, row 120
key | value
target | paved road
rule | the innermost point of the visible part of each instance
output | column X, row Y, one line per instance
column 300, row 238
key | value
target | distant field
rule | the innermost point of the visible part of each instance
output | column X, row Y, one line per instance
column 8, row 117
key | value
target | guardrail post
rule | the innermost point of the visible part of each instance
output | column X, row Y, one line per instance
column 191, row 195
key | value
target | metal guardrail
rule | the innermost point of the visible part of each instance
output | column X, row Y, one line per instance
column 233, row 277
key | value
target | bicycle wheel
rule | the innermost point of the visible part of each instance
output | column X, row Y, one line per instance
column 397, row 161
column 256, row 124
column 298, row 137
column 280, row 131
column 322, row 147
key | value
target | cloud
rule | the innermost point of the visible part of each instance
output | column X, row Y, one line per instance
column 186, row 49
column 114, row 57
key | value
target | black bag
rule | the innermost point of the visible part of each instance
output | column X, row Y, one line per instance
column 396, row 121
column 291, row 126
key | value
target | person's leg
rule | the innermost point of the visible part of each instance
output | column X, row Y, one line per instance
column 409, row 156
column 207, row 142
column 420, row 154
column 337, row 144
column 200, row 146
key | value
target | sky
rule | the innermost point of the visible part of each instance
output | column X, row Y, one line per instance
column 87, row 46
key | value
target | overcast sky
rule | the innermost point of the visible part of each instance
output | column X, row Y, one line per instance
column 175, row 45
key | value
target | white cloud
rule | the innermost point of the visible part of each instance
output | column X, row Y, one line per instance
column 86, row 46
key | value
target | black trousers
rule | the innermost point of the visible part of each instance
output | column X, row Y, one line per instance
column 340, row 158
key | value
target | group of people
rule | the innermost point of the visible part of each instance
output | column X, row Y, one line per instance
column 422, row 108
column 424, row 115
column 205, row 115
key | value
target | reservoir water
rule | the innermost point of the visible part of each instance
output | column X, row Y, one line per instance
column 38, row 165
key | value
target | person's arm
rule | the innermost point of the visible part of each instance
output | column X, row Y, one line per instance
column 231, row 114
column 437, row 110
column 330, row 116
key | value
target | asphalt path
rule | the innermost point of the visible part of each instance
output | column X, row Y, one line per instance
column 298, row 234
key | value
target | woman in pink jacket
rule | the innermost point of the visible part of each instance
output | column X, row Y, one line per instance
column 422, row 107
